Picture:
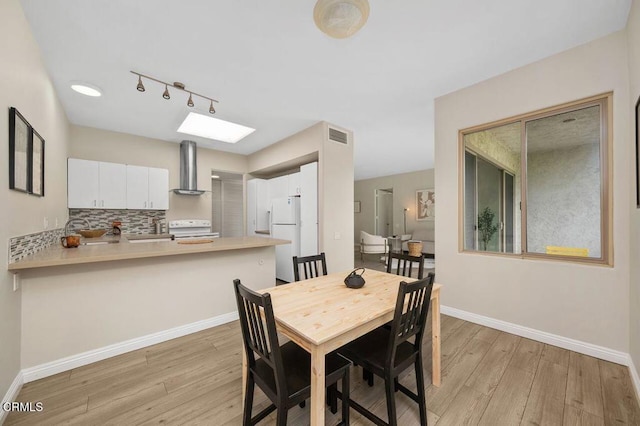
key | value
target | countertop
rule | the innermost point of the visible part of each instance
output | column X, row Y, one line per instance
column 123, row 250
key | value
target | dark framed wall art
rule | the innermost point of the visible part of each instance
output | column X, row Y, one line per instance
column 26, row 156
column 637, row 115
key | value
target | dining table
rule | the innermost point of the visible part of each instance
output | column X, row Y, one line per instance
column 322, row 314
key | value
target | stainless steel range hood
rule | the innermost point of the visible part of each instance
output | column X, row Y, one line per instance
column 188, row 170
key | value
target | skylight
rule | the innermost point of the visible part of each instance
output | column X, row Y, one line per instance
column 213, row 128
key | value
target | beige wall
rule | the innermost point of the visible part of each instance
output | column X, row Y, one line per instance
column 633, row 41
column 102, row 145
column 404, row 187
column 586, row 303
column 24, row 84
column 78, row 308
column 335, row 191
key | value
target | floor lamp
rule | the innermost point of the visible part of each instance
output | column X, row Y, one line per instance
column 405, row 220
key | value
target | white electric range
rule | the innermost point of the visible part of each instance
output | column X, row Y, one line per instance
column 191, row 229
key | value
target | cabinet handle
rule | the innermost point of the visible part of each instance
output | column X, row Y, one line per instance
column 145, row 204
column 151, row 204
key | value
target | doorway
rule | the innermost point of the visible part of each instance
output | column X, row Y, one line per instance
column 227, row 201
column 384, row 212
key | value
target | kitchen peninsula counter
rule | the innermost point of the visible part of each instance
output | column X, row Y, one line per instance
column 124, row 250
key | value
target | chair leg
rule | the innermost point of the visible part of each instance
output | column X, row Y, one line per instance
column 248, row 400
column 332, row 397
column 281, row 419
column 395, row 384
column 422, row 397
column 345, row 398
column 391, row 401
column 370, row 378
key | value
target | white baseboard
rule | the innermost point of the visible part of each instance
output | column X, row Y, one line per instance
column 542, row 336
column 12, row 394
column 635, row 378
column 75, row 361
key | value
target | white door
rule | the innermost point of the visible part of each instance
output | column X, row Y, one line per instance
column 284, row 252
column 113, row 186
column 158, row 189
column 83, row 184
column 309, row 209
column 137, row 187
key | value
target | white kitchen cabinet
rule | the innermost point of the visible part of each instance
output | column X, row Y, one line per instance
column 257, row 206
column 263, row 205
column 158, row 189
column 95, row 184
column 293, row 182
column 147, row 188
column 278, row 187
column 83, row 184
column 309, row 209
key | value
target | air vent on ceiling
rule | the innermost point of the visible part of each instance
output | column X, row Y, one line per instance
column 338, row 136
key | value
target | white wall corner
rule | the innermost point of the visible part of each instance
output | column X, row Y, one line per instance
column 11, row 395
column 84, row 358
column 542, row 336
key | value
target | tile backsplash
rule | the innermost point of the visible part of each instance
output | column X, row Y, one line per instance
column 25, row 245
column 133, row 221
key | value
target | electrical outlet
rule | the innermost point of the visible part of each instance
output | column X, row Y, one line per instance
column 45, row 223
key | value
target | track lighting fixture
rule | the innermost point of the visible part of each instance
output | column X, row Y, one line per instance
column 176, row 85
column 140, row 86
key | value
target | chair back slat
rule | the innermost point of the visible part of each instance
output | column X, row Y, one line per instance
column 312, row 266
column 410, row 315
column 258, row 326
column 404, row 264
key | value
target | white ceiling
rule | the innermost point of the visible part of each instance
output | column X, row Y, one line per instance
column 272, row 69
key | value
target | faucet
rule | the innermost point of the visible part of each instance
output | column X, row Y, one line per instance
column 77, row 219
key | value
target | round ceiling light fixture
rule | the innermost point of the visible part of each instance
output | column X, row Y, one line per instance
column 341, row 18
column 86, row 89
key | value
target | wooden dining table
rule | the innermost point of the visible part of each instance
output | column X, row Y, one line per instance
column 322, row 314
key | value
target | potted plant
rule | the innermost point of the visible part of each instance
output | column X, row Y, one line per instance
column 486, row 227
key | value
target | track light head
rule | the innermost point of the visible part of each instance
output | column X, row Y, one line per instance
column 190, row 101
column 140, row 86
column 166, row 94
column 212, row 110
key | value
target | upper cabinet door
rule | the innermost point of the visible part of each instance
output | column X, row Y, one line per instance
column 294, row 184
column 137, row 187
column 158, row 189
column 278, row 187
column 113, row 186
column 83, row 184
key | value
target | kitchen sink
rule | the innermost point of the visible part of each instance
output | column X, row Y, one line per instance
column 95, row 243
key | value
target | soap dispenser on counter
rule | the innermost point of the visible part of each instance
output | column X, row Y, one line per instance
column 157, row 226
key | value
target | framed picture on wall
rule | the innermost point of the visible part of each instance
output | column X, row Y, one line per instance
column 37, row 165
column 637, row 115
column 425, row 204
column 19, row 137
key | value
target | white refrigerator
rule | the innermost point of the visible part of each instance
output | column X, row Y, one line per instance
column 285, row 225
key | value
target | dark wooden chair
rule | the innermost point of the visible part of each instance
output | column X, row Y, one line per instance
column 311, row 266
column 282, row 372
column 405, row 264
column 387, row 353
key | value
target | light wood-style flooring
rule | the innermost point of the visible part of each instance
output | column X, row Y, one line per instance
column 489, row 378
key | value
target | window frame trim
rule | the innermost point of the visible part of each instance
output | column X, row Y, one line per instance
column 605, row 101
